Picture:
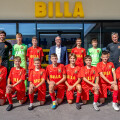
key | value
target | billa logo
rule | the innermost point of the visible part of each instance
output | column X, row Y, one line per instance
column 5, row 46
column 21, row 47
column 98, row 51
column 59, row 70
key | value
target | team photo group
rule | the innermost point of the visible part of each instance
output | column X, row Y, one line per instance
column 78, row 72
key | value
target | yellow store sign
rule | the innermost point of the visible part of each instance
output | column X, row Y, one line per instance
column 43, row 9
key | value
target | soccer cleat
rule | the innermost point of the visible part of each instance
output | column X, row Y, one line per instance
column 95, row 106
column 78, row 106
column 54, row 105
column 10, row 107
column 30, row 108
column 115, row 107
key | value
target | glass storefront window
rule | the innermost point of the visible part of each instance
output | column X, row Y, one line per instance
column 9, row 28
column 27, row 28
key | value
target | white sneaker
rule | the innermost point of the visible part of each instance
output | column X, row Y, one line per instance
column 115, row 107
column 95, row 106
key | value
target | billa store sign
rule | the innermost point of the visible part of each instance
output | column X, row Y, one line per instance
column 43, row 9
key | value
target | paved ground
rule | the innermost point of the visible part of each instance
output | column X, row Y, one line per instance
column 63, row 112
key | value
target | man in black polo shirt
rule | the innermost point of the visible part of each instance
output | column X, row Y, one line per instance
column 5, row 48
column 114, row 49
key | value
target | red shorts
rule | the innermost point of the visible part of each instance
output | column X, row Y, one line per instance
column 60, row 91
column 85, row 91
column 20, row 94
column 41, row 94
column 2, row 94
column 70, row 94
column 103, row 90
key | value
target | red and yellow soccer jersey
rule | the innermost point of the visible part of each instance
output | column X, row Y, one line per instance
column 72, row 74
column 37, row 76
column 118, row 73
column 106, row 69
column 34, row 53
column 16, row 75
column 89, row 74
column 56, row 74
column 3, row 74
column 80, row 53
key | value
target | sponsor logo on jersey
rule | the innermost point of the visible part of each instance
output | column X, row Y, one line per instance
column 110, row 66
column 82, row 51
column 76, row 71
column 59, row 70
column 5, row 46
column 98, row 51
column 118, row 47
column 21, row 47
column 38, row 51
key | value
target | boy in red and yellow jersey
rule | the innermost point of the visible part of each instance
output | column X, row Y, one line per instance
column 37, row 83
column 118, row 80
column 73, row 81
column 80, row 53
column 34, row 52
column 16, row 83
column 56, row 80
column 89, row 74
column 107, row 79
column 3, row 74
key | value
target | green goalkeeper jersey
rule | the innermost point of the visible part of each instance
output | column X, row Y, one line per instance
column 20, row 50
column 95, row 54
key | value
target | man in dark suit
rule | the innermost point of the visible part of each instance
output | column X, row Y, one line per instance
column 60, row 50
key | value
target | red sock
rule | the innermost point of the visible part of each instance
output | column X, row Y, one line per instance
column 96, row 97
column 31, row 97
column 78, row 97
column 52, row 96
column 9, row 97
column 115, row 95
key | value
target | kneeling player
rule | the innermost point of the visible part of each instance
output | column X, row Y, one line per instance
column 3, row 74
column 89, row 74
column 16, row 83
column 37, row 83
column 107, row 81
column 56, row 80
column 118, row 81
column 73, row 81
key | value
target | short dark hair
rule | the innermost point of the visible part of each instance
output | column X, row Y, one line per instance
column 17, row 58
column 36, row 59
column 72, row 55
column 87, row 57
column 105, row 52
column 78, row 39
column 34, row 37
column 94, row 40
column 19, row 34
column 3, row 32
column 53, row 55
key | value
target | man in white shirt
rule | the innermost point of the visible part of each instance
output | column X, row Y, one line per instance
column 60, row 50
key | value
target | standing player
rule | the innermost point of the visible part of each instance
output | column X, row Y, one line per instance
column 20, row 50
column 16, row 83
column 118, row 81
column 3, row 74
column 80, row 53
column 56, row 80
column 37, row 83
column 89, row 74
column 73, row 81
column 107, row 79
column 34, row 52
column 5, row 48
column 94, row 52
